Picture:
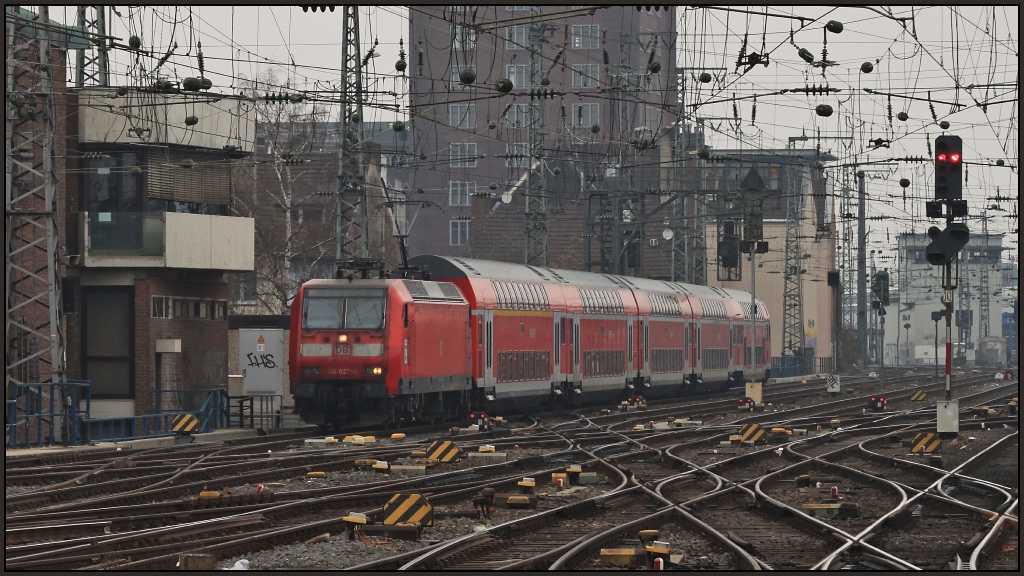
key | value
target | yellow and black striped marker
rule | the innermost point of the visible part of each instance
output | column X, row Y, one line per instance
column 184, row 424
column 752, row 433
column 408, row 508
column 444, row 451
column 918, row 396
column 926, row 443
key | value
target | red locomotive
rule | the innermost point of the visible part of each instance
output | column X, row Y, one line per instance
column 509, row 338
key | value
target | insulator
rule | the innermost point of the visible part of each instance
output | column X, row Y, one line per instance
column 931, row 107
column 419, row 58
column 604, row 53
column 753, row 112
column 890, row 111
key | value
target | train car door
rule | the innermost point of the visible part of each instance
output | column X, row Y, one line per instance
column 630, row 350
column 695, row 346
column 488, row 316
column 559, row 342
column 577, row 375
column 645, row 348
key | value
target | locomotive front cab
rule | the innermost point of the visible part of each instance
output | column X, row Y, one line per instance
column 340, row 346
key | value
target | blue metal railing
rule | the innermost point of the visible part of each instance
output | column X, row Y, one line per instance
column 48, row 413
column 209, row 405
column 130, row 427
column 35, row 415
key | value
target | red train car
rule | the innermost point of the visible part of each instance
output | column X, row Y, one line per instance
column 379, row 351
column 531, row 336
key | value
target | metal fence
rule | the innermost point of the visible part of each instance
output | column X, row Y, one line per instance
column 48, row 413
column 208, row 405
column 261, row 411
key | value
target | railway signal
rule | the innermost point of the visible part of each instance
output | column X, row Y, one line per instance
column 946, row 244
column 948, row 168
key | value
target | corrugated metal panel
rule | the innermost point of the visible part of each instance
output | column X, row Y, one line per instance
column 207, row 182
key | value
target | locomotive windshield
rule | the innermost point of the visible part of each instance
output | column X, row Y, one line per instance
column 332, row 309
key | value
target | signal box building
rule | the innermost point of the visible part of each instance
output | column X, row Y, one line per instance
column 150, row 237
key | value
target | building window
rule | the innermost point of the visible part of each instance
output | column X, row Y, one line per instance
column 515, row 38
column 517, row 155
column 459, row 193
column 463, row 155
column 463, row 37
column 162, row 307
column 585, row 114
column 519, row 74
column 585, row 36
column 456, row 83
column 462, row 116
column 459, row 232
column 585, row 75
column 516, row 8
column 518, row 115
column 200, row 309
column 242, row 288
column 110, row 186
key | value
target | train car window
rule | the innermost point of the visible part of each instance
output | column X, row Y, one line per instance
column 325, row 313
column 479, row 330
column 365, row 313
column 501, row 366
column 499, row 294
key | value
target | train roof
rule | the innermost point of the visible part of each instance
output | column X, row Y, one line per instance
column 454, row 267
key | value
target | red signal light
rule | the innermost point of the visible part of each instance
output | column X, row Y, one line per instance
column 954, row 157
column 941, row 158
column 471, row 416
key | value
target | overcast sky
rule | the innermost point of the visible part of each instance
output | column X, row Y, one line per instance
column 973, row 46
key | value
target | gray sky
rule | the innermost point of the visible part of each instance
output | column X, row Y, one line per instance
column 973, row 46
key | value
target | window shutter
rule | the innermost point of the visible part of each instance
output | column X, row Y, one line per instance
column 207, row 182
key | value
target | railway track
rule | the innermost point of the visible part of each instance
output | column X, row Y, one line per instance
column 721, row 507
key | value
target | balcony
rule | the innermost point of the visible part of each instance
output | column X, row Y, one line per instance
column 166, row 240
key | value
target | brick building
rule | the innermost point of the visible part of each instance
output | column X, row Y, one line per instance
column 478, row 155
column 150, row 237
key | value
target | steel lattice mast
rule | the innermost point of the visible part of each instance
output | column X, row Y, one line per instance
column 536, row 209
column 34, row 327
column 792, row 310
column 352, row 238
column 92, row 66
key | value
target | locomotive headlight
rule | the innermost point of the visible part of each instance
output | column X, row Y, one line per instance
column 314, row 371
column 376, row 370
column 343, row 338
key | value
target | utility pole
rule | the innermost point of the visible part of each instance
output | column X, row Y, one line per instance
column 536, row 249
column 92, row 65
column 983, row 293
column 352, row 238
column 862, row 274
column 34, row 318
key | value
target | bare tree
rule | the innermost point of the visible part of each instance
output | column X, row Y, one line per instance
column 287, row 189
